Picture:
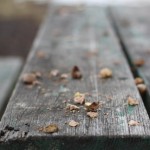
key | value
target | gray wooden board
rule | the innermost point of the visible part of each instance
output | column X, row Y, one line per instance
column 9, row 70
column 133, row 25
column 67, row 37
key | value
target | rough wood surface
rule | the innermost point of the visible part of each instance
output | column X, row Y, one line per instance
column 9, row 70
column 133, row 27
column 83, row 37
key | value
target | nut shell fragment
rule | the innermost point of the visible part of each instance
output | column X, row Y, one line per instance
column 76, row 74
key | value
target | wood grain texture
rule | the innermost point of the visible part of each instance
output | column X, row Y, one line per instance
column 70, row 36
column 133, row 27
column 9, row 70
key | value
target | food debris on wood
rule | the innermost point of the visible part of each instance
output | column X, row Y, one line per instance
column 133, row 123
column 142, row 88
column 138, row 80
column 132, row 101
column 64, row 76
column 50, row 128
column 72, row 107
column 73, row 123
column 76, row 74
column 139, row 62
column 54, row 73
column 41, row 54
column 105, row 73
column 92, row 114
column 92, row 106
column 79, row 98
column 29, row 78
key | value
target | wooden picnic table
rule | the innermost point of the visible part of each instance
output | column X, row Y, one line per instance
column 84, row 37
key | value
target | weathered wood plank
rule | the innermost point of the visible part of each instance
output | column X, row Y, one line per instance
column 9, row 70
column 133, row 26
column 83, row 37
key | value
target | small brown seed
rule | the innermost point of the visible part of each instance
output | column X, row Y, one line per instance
column 142, row 88
column 139, row 62
column 105, row 73
column 132, row 102
column 138, row 80
column 76, row 74
column 29, row 78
